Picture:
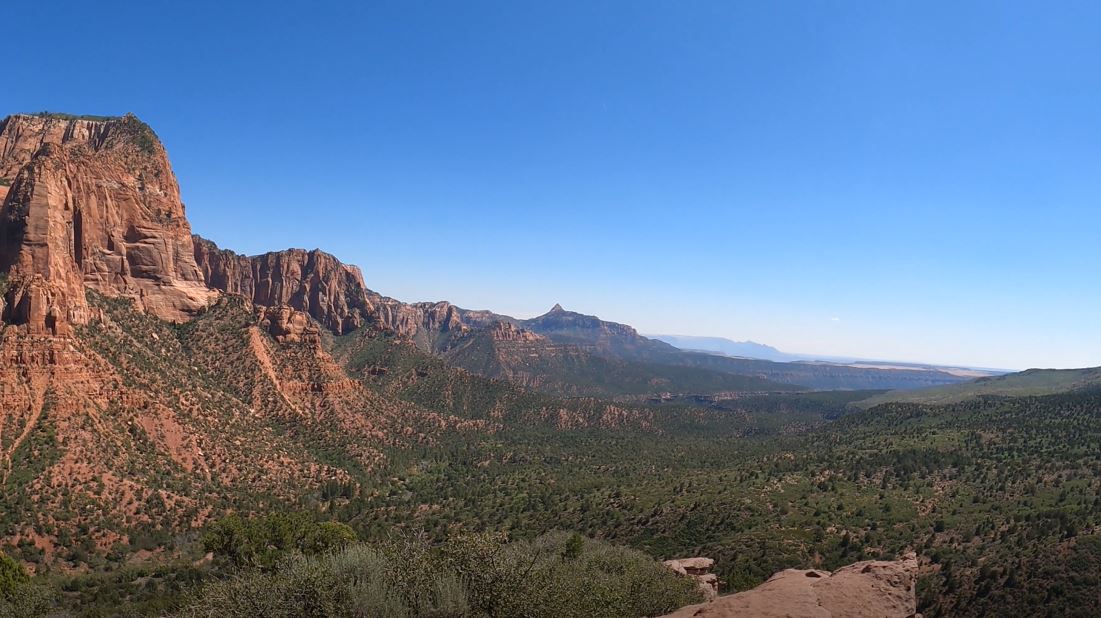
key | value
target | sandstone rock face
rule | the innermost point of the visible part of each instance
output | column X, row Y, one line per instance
column 313, row 282
column 872, row 589
column 92, row 203
column 507, row 331
column 288, row 325
column 433, row 326
column 331, row 292
column 698, row 568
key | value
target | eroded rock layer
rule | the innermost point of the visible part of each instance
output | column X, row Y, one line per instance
column 91, row 203
column 331, row 292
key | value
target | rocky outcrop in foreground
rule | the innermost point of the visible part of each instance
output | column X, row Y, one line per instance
column 872, row 589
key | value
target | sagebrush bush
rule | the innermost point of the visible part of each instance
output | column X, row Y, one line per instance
column 27, row 601
column 471, row 575
column 596, row 579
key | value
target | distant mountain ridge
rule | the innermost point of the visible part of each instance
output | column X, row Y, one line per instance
column 729, row 347
column 568, row 349
column 752, row 349
column 614, row 340
column 574, row 367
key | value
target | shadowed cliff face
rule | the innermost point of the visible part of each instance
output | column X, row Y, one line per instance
column 91, row 203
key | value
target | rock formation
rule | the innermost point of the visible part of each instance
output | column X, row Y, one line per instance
column 288, row 325
column 331, row 292
column 699, row 569
column 611, row 337
column 313, row 282
column 502, row 330
column 91, row 203
column 872, row 589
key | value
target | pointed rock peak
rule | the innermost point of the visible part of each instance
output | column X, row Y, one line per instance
column 557, row 308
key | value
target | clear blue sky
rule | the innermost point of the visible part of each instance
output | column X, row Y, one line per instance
column 904, row 180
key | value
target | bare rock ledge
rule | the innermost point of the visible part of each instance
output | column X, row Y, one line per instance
column 871, row 589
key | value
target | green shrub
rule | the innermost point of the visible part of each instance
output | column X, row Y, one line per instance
column 470, row 575
column 325, row 536
column 301, row 588
column 19, row 598
column 63, row 116
column 373, row 588
column 12, row 576
column 27, row 600
column 598, row 580
column 263, row 542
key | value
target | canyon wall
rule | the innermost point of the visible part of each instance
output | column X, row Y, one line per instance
column 91, row 203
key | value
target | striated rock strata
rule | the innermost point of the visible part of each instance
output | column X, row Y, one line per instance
column 507, row 331
column 331, row 292
column 91, row 203
column 313, row 282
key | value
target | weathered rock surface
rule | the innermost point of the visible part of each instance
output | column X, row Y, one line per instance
column 288, row 325
column 872, row 589
column 92, row 203
column 313, row 282
column 331, row 292
column 507, row 331
column 698, row 568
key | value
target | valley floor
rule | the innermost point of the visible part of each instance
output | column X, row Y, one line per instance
column 999, row 498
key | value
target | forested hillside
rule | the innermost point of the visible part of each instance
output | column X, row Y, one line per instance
column 998, row 497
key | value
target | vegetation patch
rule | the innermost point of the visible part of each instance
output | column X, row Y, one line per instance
column 63, row 116
column 558, row 575
column 143, row 135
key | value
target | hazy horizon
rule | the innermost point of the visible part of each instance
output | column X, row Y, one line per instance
column 892, row 181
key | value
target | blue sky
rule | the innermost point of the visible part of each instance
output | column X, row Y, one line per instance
column 904, row 180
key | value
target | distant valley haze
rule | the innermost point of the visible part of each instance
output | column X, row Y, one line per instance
column 752, row 349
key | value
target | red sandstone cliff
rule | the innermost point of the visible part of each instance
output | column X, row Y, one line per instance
column 91, row 203
column 332, row 292
column 313, row 282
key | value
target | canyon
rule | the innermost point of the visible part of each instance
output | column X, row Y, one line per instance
column 151, row 381
column 117, row 318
